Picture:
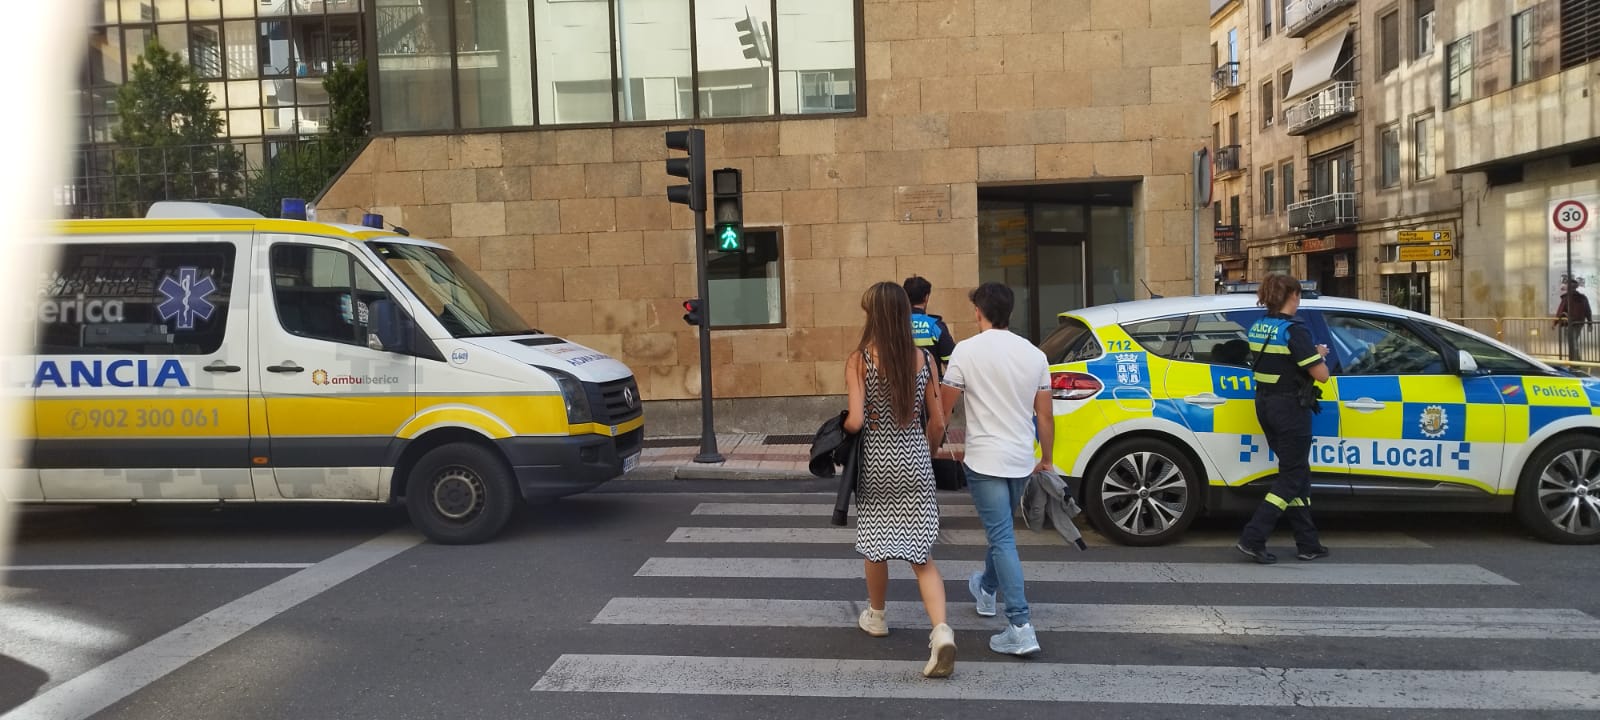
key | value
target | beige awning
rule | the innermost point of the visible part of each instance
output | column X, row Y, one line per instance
column 1316, row 66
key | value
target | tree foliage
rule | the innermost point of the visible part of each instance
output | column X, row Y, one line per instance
column 169, row 144
column 305, row 168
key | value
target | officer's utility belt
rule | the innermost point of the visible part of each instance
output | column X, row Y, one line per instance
column 1305, row 392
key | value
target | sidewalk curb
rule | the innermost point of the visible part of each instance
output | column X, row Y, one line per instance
column 715, row 472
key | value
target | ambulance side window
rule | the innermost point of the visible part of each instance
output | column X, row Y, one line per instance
column 135, row 299
column 325, row 294
column 1372, row 345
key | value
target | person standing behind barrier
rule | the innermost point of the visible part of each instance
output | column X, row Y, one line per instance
column 890, row 382
column 1286, row 363
column 1574, row 312
column 1006, row 381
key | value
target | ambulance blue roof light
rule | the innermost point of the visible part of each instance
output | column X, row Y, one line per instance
column 292, row 209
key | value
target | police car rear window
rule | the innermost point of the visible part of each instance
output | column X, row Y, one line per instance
column 1071, row 342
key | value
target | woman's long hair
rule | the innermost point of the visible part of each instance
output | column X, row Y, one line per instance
column 888, row 336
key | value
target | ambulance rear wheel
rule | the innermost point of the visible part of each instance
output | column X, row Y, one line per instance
column 461, row 494
column 1558, row 498
column 1142, row 492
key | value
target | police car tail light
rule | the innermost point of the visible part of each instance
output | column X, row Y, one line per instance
column 1073, row 386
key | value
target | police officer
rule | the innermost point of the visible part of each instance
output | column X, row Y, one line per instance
column 1286, row 363
column 929, row 331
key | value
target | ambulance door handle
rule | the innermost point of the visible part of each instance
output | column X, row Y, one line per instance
column 1365, row 405
column 1205, row 400
column 286, row 367
column 221, row 367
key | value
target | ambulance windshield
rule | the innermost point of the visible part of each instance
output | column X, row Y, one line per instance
column 461, row 300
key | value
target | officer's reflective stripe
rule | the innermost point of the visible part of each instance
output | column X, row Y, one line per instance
column 1300, row 502
column 1277, row 502
column 1308, row 361
column 1268, row 378
column 1256, row 347
column 1276, row 349
column 924, row 342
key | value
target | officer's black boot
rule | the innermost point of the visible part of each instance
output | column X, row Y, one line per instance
column 1308, row 543
column 1253, row 541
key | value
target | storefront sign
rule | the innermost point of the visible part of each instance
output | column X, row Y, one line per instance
column 1341, row 266
column 1341, row 241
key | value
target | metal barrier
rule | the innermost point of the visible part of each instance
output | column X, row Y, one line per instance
column 1542, row 338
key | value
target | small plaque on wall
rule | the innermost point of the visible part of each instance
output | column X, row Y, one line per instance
column 922, row 203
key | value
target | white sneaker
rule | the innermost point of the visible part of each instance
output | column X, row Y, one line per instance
column 984, row 601
column 1016, row 640
column 874, row 622
column 942, row 659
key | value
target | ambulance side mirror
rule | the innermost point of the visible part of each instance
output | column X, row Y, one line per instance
column 1467, row 365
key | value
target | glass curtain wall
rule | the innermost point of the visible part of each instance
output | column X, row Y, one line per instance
column 523, row 63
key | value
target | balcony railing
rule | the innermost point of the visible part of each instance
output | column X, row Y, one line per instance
column 1301, row 16
column 1335, row 102
column 1225, row 80
column 1229, row 246
column 1328, row 211
column 1228, row 160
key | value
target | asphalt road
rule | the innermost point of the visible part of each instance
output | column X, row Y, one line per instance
column 688, row 600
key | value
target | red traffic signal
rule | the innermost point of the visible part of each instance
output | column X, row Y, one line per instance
column 691, row 311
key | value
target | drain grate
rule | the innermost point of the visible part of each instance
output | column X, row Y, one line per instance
column 788, row 440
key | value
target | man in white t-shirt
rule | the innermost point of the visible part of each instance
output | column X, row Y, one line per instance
column 1006, row 381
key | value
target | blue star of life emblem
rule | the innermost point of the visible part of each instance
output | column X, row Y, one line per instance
column 186, row 295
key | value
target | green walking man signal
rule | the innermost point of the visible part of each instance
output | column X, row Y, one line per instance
column 727, row 208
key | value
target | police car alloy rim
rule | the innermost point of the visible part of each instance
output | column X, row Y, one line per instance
column 1569, row 491
column 1144, row 493
column 457, row 493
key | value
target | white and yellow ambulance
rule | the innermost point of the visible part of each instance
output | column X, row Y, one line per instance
column 1155, row 418
column 207, row 353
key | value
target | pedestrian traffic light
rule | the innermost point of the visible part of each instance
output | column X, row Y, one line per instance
column 691, row 311
column 691, row 168
column 728, row 209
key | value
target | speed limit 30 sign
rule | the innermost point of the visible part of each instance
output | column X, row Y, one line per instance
column 1571, row 216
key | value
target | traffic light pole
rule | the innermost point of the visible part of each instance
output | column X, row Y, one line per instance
column 708, row 430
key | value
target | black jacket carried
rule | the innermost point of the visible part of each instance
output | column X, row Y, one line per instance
column 833, row 446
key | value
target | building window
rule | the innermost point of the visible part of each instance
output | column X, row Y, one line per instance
column 1236, row 210
column 1409, row 291
column 1269, row 192
column 574, row 41
column 1388, row 43
column 1284, row 84
column 817, row 56
column 747, row 285
column 1233, row 129
column 1268, row 102
column 1333, row 173
column 1522, row 47
column 494, row 80
column 1389, row 153
column 1580, row 33
column 655, row 70
column 1458, row 71
column 1266, row 18
column 1278, row 265
column 1286, row 176
column 1425, row 30
column 1422, row 138
column 414, row 64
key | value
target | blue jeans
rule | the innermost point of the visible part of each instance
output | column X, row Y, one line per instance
column 997, row 500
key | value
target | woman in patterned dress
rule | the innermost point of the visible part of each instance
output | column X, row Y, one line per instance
column 892, row 386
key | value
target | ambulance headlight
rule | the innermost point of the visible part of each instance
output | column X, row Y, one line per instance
column 577, row 399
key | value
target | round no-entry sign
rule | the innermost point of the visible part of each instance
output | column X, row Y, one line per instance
column 1571, row 216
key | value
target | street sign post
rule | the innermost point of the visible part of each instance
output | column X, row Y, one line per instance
column 1570, row 217
column 1427, row 253
column 1424, row 237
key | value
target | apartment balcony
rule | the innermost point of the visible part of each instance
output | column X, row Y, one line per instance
column 1323, row 107
column 1229, row 244
column 1329, row 211
column 1300, row 17
column 1226, row 81
column 1228, row 161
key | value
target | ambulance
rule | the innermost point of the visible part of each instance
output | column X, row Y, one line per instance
column 1155, row 419
column 205, row 353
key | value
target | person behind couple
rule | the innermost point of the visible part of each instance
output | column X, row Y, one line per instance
column 892, row 384
column 1006, row 381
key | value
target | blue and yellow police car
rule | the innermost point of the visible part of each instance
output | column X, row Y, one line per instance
column 1155, row 418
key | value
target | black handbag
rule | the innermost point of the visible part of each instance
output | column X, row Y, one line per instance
column 948, row 474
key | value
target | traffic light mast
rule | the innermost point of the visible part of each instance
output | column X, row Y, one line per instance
column 693, row 169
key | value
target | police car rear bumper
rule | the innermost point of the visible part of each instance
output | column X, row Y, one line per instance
column 560, row 466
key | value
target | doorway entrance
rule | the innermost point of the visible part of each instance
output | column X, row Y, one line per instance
column 1058, row 247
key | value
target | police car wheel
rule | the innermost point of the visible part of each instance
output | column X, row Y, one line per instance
column 1142, row 492
column 460, row 494
column 1558, row 498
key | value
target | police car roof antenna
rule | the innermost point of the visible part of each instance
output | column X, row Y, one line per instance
column 1153, row 295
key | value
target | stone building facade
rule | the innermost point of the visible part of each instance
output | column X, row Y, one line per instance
column 1043, row 143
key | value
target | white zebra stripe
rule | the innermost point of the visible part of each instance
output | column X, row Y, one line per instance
column 1024, row 537
column 1082, row 683
column 1349, row 622
column 1243, row 572
column 804, row 509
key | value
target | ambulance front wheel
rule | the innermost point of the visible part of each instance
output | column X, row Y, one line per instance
column 1558, row 498
column 461, row 494
column 1142, row 492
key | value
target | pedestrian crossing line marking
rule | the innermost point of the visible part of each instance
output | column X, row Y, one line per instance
column 1024, row 537
column 1521, row 690
column 1345, row 622
column 157, row 566
column 804, row 509
column 1090, row 572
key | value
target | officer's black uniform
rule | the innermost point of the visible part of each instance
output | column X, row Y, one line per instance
column 1284, row 353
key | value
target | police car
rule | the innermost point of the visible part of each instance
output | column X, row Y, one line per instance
column 1155, row 418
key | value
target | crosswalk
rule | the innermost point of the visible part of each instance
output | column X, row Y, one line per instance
column 723, row 544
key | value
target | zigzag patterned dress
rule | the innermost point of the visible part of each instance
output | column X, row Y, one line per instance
column 897, row 515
